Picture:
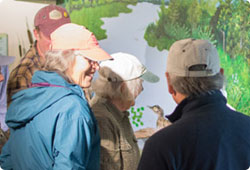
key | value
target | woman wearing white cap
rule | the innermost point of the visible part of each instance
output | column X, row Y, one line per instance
column 116, row 88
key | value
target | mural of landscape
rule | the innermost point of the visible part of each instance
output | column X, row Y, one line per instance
column 226, row 23
column 147, row 28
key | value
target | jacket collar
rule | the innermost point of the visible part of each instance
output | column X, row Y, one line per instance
column 113, row 109
column 192, row 102
column 55, row 79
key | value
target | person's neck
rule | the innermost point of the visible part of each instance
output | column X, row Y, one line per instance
column 179, row 97
column 41, row 54
column 121, row 106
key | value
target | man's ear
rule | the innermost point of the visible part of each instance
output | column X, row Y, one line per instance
column 222, row 71
column 170, row 87
column 36, row 34
column 122, row 87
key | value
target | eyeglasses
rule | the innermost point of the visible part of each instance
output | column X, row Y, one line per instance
column 93, row 63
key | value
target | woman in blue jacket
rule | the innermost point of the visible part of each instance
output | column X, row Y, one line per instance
column 52, row 126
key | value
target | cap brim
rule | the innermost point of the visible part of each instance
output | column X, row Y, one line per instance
column 96, row 54
column 6, row 60
column 150, row 77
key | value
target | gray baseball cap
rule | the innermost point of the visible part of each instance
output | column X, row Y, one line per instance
column 6, row 60
column 185, row 54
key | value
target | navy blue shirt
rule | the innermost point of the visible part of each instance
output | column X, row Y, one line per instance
column 205, row 135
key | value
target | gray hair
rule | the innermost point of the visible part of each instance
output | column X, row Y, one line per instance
column 60, row 61
column 196, row 85
column 108, row 85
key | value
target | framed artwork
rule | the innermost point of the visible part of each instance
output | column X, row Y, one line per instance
column 4, row 44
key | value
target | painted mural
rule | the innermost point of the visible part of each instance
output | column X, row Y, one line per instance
column 223, row 22
column 147, row 28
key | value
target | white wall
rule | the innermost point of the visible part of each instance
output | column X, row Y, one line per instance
column 13, row 16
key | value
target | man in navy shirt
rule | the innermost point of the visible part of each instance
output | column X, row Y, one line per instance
column 205, row 134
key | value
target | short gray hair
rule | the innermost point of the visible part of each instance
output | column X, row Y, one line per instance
column 196, row 85
column 60, row 61
column 106, row 87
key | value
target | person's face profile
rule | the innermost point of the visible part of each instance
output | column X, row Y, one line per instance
column 43, row 42
column 83, row 71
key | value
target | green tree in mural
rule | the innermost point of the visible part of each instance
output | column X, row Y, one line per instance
column 90, row 12
column 244, row 23
column 234, row 23
column 182, row 19
column 194, row 14
column 225, row 23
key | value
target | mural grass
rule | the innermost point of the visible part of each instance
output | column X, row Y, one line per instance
column 237, row 81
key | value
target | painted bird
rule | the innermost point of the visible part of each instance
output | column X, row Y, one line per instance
column 161, row 121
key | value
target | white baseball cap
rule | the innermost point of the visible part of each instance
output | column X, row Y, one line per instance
column 6, row 60
column 185, row 54
column 127, row 67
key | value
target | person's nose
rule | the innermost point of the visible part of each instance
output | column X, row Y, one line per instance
column 96, row 65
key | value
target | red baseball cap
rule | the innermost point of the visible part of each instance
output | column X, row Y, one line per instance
column 50, row 18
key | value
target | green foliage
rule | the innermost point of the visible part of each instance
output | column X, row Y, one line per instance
column 237, row 81
column 194, row 14
column 182, row 19
column 204, row 33
column 59, row 2
column 90, row 17
column 177, row 32
column 233, row 21
column 227, row 26
column 208, row 6
column 153, row 1
column 136, row 115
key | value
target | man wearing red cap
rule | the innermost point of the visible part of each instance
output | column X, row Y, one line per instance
column 46, row 21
